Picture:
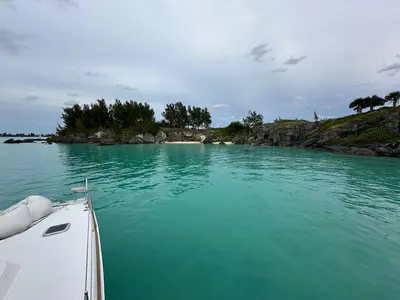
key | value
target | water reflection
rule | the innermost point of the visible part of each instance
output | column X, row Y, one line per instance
column 377, row 180
column 117, row 167
column 175, row 169
column 186, row 166
column 366, row 185
column 140, row 168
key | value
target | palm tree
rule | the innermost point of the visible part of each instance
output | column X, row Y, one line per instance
column 393, row 97
column 358, row 105
column 374, row 101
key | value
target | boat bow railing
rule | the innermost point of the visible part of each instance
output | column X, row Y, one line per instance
column 82, row 189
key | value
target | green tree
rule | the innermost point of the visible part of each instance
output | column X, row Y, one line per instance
column 87, row 119
column 176, row 115
column 235, row 127
column 358, row 105
column 170, row 115
column 120, row 115
column 99, row 114
column 253, row 119
column 199, row 117
column 374, row 101
column 182, row 119
column 60, row 130
column 145, row 115
column 205, row 117
column 71, row 117
column 393, row 97
column 194, row 114
column 131, row 114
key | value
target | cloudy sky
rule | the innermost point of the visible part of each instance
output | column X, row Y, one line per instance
column 283, row 58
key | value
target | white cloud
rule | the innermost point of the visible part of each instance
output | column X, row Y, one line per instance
column 70, row 102
column 299, row 97
column 217, row 106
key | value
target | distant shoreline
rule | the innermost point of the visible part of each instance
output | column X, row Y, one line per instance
column 24, row 135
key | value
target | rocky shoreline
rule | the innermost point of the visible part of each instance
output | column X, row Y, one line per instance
column 290, row 135
column 287, row 138
column 374, row 133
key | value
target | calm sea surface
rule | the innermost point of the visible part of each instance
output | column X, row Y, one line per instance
column 227, row 222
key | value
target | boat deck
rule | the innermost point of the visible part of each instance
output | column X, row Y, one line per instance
column 51, row 267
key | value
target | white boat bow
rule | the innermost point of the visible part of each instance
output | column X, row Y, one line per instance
column 51, row 252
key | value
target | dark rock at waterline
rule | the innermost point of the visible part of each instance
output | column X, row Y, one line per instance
column 107, row 142
column 23, row 141
column 351, row 150
column 207, row 140
column 309, row 143
column 71, row 139
column 387, row 151
column 11, row 141
column 62, row 139
column 240, row 140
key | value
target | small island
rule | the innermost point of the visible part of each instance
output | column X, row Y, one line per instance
column 373, row 132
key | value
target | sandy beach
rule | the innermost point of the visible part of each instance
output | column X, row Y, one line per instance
column 183, row 142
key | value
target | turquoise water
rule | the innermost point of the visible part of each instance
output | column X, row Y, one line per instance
column 227, row 222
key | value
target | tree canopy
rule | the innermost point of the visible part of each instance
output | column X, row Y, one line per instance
column 373, row 101
column 177, row 115
column 253, row 119
column 129, row 114
column 393, row 97
column 235, row 127
column 98, row 115
column 358, row 105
